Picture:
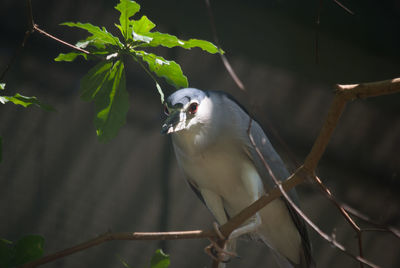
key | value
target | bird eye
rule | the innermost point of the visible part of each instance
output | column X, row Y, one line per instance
column 166, row 111
column 193, row 108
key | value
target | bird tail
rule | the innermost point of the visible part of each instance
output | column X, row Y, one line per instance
column 285, row 235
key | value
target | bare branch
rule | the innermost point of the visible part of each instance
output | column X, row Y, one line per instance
column 322, row 234
column 224, row 59
column 372, row 89
column 36, row 28
column 344, row 7
column 335, row 111
column 361, row 216
column 121, row 236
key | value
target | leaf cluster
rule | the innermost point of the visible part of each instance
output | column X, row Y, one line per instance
column 105, row 83
column 26, row 249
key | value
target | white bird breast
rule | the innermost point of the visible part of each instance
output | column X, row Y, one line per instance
column 227, row 173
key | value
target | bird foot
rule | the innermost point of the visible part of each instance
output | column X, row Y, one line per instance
column 215, row 251
column 219, row 254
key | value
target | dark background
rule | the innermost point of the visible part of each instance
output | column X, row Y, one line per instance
column 57, row 180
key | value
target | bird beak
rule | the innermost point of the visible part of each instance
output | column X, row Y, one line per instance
column 175, row 122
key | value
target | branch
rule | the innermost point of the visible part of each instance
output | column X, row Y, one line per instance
column 121, row 236
column 345, row 93
column 32, row 27
column 224, row 59
column 379, row 226
column 372, row 89
column 322, row 234
column 37, row 29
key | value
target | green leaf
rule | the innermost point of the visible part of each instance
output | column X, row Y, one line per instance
column 28, row 248
column 70, row 56
column 159, row 260
column 168, row 40
column 169, row 70
column 2, row 86
column 112, row 103
column 127, row 8
column 142, row 26
column 19, row 99
column 93, row 81
column 7, row 253
column 91, row 40
column 98, row 34
column 204, row 45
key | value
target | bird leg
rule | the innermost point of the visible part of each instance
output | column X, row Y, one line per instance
column 219, row 254
column 250, row 227
column 216, row 229
column 216, row 252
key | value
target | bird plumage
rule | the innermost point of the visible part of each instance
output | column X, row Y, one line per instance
column 214, row 151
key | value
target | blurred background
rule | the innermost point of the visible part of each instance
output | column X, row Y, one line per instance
column 59, row 181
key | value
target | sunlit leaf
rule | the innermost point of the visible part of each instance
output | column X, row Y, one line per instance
column 169, row 70
column 99, row 34
column 24, row 101
column 141, row 38
column 70, row 56
column 168, row 40
column 2, row 86
column 159, row 260
column 142, row 26
column 127, row 8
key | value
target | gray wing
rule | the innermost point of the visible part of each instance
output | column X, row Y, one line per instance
column 280, row 172
column 277, row 166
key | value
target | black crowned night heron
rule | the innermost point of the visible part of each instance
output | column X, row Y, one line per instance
column 210, row 137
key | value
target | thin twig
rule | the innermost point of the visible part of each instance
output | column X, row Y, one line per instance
column 361, row 216
column 224, row 59
column 344, row 7
column 36, row 28
column 344, row 213
column 322, row 234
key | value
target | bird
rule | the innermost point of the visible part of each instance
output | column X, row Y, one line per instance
column 210, row 133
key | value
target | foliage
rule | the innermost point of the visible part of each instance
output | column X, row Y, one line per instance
column 26, row 249
column 105, row 83
column 158, row 260
column 24, row 101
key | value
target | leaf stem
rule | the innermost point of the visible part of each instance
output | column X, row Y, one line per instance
column 150, row 74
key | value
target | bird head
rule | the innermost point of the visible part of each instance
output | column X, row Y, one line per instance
column 185, row 109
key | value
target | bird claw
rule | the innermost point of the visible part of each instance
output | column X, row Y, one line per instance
column 219, row 254
column 215, row 251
